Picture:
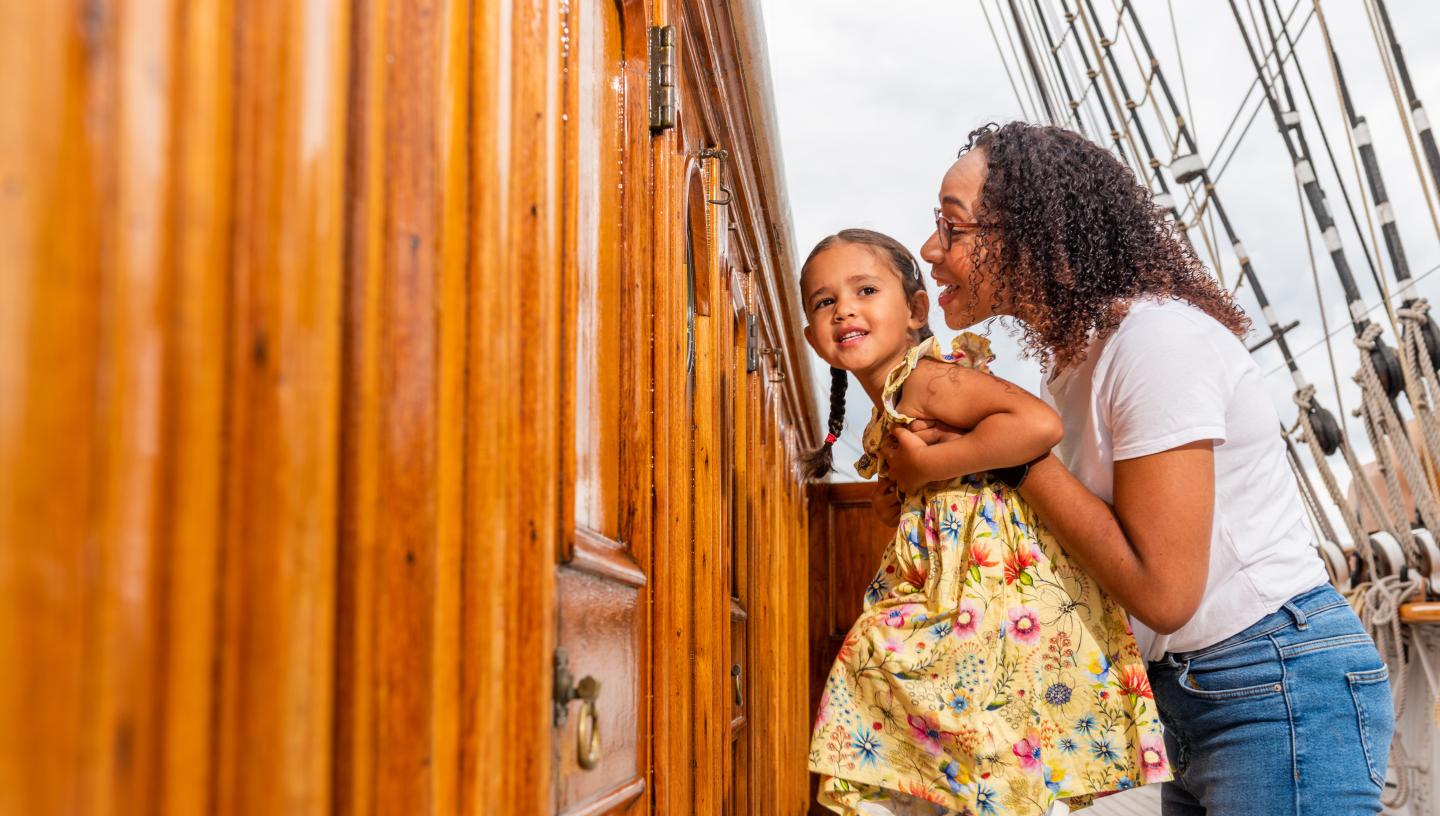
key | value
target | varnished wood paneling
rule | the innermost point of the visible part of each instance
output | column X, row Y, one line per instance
column 277, row 632
column 404, row 371
column 531, row 303
column 487, row 761
column 196, row 404
column 602, row 644
column 56, row 80
column 289, row 460
column 120, row 704
column 847, row 542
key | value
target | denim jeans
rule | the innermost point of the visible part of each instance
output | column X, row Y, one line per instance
column 1291, row 716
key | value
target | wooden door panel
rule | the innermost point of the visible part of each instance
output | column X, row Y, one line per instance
column 847, row 541
column 600, row 629
column 599, row 745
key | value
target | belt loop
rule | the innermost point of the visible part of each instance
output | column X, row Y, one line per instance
column 1301, row 622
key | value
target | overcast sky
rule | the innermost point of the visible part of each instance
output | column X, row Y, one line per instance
column 874, row 99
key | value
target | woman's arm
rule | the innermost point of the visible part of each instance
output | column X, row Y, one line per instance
column 1151, row 550
column 1008, row 425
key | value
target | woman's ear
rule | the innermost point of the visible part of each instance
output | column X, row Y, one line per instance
column 919, row 310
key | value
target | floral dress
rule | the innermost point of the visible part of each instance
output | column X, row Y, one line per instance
column 988, row 674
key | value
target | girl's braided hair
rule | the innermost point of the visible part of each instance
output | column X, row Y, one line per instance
column 820, row 461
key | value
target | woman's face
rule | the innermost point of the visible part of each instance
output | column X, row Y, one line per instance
column 967, row 295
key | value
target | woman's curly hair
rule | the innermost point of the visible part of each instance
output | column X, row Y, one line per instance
column 1077, row 238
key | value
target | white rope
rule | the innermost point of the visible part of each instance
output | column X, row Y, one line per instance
column 1424, row 391
column 1381, row 415
column 1324, row 530
column 1305, row 399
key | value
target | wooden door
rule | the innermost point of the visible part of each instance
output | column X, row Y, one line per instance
column 720, row 412
column 847, row 541
column 601, row 720
column 736, row 418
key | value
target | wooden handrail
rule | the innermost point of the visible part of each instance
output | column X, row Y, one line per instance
column 1420, row 612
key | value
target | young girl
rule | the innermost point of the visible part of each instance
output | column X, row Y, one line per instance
column 987, row 674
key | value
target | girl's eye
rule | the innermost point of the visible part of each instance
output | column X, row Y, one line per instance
column 822, row 303
column 868, row 290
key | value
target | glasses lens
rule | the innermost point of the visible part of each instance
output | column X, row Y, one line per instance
column 942, row 231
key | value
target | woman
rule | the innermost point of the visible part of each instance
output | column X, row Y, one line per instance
column 1177, row 497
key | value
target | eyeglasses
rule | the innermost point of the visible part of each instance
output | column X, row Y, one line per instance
column 945, row 228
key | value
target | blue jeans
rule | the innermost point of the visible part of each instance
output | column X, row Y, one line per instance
column 1291, row 716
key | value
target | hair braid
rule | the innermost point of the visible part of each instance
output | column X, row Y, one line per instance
column 820, row 461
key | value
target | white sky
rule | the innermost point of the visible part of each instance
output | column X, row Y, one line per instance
column 874, row 99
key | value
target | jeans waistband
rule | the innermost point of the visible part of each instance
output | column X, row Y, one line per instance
column 1297, row 612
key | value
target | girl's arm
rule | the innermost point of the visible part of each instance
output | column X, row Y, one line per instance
column 1008, row 425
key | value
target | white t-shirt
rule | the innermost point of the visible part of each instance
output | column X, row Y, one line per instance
column 1169, row 375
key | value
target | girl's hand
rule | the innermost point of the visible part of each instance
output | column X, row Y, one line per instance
column 906, row 461
column 886, row 503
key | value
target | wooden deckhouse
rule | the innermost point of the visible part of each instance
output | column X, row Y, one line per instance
column 402, row 401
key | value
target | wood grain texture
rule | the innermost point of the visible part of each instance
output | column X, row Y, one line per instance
column 492, row 334
column 278, row 625
column 51, row 455
column 298, row 490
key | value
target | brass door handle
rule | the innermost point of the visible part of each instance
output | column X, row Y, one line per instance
column 587, row 732
column 739, row 693
column 588, row 747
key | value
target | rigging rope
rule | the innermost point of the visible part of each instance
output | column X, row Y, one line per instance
column 1004, row 62
column 1179, row 57
column 1324, row 139
column 1385, row 58
column 1114, row 97
column 1030, row 85
column 1363, row 313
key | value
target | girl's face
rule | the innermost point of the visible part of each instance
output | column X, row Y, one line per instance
column 858, row 316
column 967, row 294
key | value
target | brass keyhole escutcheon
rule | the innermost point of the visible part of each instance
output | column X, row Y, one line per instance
column 587, row 735
column 739, row 693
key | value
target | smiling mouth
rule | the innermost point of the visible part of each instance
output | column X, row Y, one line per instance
column 948, row 293
column 851, row 337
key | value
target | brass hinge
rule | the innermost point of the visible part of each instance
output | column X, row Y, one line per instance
column 752, row 343
column 662, row 78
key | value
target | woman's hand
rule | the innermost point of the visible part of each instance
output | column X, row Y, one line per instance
column 886, row 503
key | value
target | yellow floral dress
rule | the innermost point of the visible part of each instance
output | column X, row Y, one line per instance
column 988, row 674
